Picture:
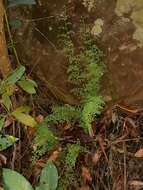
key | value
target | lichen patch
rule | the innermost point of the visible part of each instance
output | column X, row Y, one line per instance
column 97, row 28
column 135, row 11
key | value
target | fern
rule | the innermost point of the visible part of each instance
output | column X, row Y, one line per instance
column 62, row 114
column 43, row 141
column 73, row 152
column 84, row 73
column 70, row 176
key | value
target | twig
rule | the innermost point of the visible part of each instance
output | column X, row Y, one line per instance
column 125, row 140
column 46, row 38
column 14, row 150
column 5, row 66
column 11, row 39
column 125, row 167
column 19, row 144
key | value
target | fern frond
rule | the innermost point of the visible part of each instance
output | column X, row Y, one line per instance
column 43, row 141
column 91, row 108
column 73, row 152
column 94, row 75
column 62, row 114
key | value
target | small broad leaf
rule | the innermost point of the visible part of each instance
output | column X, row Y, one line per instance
column 139, row 153
column 24, row 118
column 6, row 141
column 43, row 187
column 23, row 109
column 33, row 82
column 6, row 101
column 49, row 176
column 13, row 3
column 15, row 75
column 2, row 120
column 27, row 86
column 14, row 181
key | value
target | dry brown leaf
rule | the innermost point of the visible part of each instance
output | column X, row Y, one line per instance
column 40, row 118
column 96, row 157
column 85, row 188
column 86, row 174
column 136, row 183
column 1, row 188
column 3, row 159
column 67, row 126
column 139, row 153
column 8, row 122
column 31, row 131
column 101, row 143
column 118, row 183
column 55, row 154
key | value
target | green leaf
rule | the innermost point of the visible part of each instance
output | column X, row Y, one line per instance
column 33, row 82
column 23, row 109
column 13, row 3
column 15, row 75
column 28, row 86
column 49, row 176
column 14, row 181
column 6, row 100
column 43, row 187
column 24, row 119
column 2, row 120
column 6, row 141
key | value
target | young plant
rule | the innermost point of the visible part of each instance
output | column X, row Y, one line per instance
column 48, row 179
column 8, row 88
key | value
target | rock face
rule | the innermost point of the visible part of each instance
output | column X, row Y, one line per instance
column 135, row 11
column 122, row 41
column 117, row 26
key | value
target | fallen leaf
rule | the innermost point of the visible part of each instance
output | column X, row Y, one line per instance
column 139, row 153
column 31, row 132
column 8, row 122
column 40, row 118
column 67, row 126
column 118, row 183
column 96, row 157
column 85, row 188
column 86, row 174
column 3, row 159
column 136, row 183
column 55, row 154
column 101, row 143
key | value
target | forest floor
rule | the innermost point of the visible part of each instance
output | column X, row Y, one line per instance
column 112, row 159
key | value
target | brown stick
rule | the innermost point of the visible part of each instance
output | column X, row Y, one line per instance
column 5, row 66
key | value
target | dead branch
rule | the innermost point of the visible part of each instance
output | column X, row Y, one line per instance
column 5, row 66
